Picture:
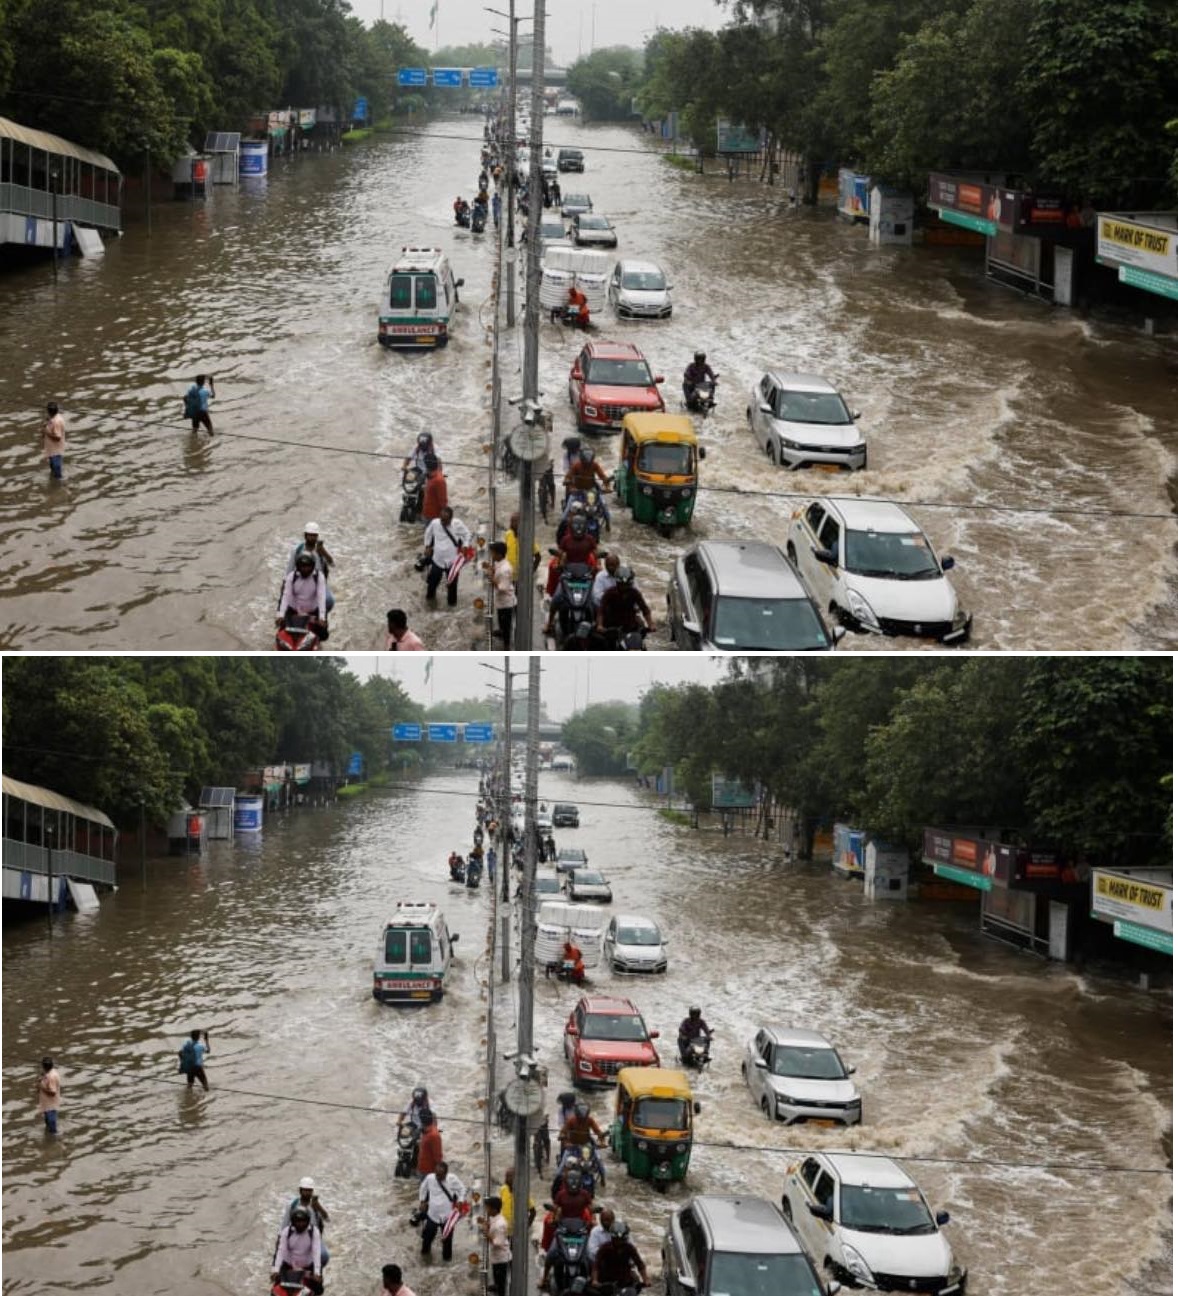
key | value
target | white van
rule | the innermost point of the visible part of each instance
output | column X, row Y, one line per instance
column 414, row 955
column 420, row 295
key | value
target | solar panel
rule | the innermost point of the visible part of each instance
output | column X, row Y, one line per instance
column 222, row 142
column 215, row 798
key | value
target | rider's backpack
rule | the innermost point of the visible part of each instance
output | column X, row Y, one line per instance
column 188, row 1056
column 192, row 401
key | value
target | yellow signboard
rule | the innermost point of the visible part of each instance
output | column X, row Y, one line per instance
column 1129, row 242
column 1121, row 896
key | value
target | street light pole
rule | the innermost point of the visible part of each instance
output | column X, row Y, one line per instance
column 53, row 178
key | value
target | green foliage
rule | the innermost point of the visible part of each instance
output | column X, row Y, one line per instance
column 606, row 82
column 601, row 736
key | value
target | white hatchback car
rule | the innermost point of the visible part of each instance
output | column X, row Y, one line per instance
column 872, row 566
column 800, row 421
column 797, row 1075
column 866, row 1223
column 634, row 944
column 639, row 290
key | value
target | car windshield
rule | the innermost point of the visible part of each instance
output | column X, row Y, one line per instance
column 639, row 936
column 619, row 373
column 593, row 222
column 577, row 200
column 734, row 1274
column 884, row 1210
column 552, row 229
column 571, row 853
column 547, row 884
column 561, row 808
column 768, row 623
column 807, row 1063
column 811, row 407
column 892, row 554
column 662, row 1114
column 659, row 457
column 623, row 1027
column 644, row 280
column 587, row 877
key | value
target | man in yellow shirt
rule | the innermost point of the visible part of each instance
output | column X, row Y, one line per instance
column 507, row 1198
column 511, row 540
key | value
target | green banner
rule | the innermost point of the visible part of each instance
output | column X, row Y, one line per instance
column 1150, row 937
column 975, row 223
column 978, row 881
column 1163, row 285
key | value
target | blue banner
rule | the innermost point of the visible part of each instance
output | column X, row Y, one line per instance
column 478, row 733
column 411, row 76
column 360, row 110
column 355, row 764
column 485, row 78
column 447, row 76
column 443, row 733
column 407, row 733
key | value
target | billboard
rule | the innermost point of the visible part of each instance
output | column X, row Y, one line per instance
column 732, row 137
column 1122, row 896
column 731, row 794
column 1128, row 242
column 854, row 194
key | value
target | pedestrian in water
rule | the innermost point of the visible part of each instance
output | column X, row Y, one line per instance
column 429, row 1149
column 446, row 538
column 503, row 583
column 554, row 190
column 391, row 1281
column 399, row 637
column 192, row 1056
column 53, row 441
column 49, row 1094
column 494, row 1229
column 441, row 1193
column 196, row 402
column 496, row 207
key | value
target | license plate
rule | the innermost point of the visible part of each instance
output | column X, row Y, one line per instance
column 426, row 339
column 424, row 994
column 826, row 1124
column 828, row 468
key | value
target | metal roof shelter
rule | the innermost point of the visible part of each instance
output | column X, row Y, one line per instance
column 35, row 164
column 48, row 833
column 54, row 801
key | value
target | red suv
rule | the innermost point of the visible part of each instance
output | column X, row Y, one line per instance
column 608, row 380
column 604, row 1034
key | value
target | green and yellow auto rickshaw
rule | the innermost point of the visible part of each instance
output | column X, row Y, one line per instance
column 658, row 472
column 651, row 1129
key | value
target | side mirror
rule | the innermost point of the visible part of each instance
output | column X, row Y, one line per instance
column 947, row 564
column 703, row 452
column 654, row 1034
column 570, row 1029
column 453, row 940
column 692, row 627
column 852, row 1070
column 855, row 414
column 685, row 1280
column 576, row 374
column 459, row 282
column 695, row 1107
column 820, row 1211
column 838, row 633
column 942, row 1218
column 765, row 407
column 659, row 378
column 826, row 556
column 761, row 1064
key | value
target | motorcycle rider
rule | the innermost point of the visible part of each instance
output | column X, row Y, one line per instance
column 309, row 1199
column 298, row 1257
column 571, row 1202
column 304, row 592
column 605, row 580
column 457, row 869
column 571, row 958
column 623, row 609
column 312, row 544
column 585, row 474
column 577, row 545
column 572, row 452
column 418, row 457
column 414, row 1112
column 697, row 371
column 692, row 1027
column 617, row 1261
column 578, row 308
column 461, row 211
column 580, row 1126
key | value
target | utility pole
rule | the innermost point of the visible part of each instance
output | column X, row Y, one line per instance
column 531, row 393
column 505, row 821
column 519, row 1240
column 512, row 60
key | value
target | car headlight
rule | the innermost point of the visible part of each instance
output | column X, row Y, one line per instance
column 787, row 444
column 642, row 1145
column 956, row 1273
column 959, row 618
column 857, row 1265
column 861, row 609
column 784, row 1100
column 648, row 490
column 584, row 1066
column 591, row 410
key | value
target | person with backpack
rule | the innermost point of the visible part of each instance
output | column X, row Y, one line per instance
column 304, row 592
column 312, row 544
column 196, row 402
column 309, row 1199
column 192, row 1056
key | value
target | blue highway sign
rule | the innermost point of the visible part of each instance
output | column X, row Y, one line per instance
column 447, row 76
column 443, row 733
column 407, row 732
column 485, row 78
column 478, row 733
column 411, row 76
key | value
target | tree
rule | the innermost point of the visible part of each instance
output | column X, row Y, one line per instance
column 601, row 736
column 606, row 82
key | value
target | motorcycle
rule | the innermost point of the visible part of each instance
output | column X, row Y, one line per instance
column 412, row 494
column 615, row 640
column 478, row 836
column 575, row 587
column 408, row 1137
column 587, row 1163
column 292, row 1286
column 462, row 216
column 300, row 634
column 474, row 873
column 594, row 517
column 701, row 399
column 569, row 316
column 458, row 871
column 698, row 1052
column 571, row 1262
column 478, row 218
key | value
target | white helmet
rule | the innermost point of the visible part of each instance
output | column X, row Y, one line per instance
column 312, row 528
column 307, row 1182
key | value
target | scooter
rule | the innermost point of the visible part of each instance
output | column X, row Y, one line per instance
column 594, row 518
column 569, row 316
column 478, row 218
column 412, row 494
column 462, row 216
column 300, row 634
column 575, row 585
column 583, row 1157
column 571, row 1263
column 474, row 873
column 408, row 1137
column 698, row 1053
column 458, row 871
column 702, row 398
column 621, row 641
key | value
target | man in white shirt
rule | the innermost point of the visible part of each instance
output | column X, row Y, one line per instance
column 605, row 580
column 445, row 538
column 440, row 1194
column 304, row 591
column 599, row 1233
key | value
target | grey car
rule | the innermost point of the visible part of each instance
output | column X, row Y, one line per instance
column 737, row 595
column 590, row 230
column 714, row 1246
column 575, row 203
column 569, row 858
column 800, row 421
column 797, row 1075
column 587, row 884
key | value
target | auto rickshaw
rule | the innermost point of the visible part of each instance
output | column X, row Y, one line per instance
column 658, row 471
column 651, row 1129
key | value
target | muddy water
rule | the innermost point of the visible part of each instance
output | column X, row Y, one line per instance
column 966, row 1051
column 970, row 395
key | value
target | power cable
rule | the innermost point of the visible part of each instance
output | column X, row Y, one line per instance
column 964, row 506
column 1087, row 1167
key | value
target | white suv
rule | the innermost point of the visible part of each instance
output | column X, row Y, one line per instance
column 801, row 421
column 866, row 1223
column 870, row 564
column 797, row 1075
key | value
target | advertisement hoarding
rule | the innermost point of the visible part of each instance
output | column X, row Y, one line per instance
column 1128, row 242
column 1136, row 900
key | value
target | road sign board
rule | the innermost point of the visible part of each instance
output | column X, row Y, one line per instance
column 484, row 78
column 360, row 109
column 411, row 76
column 478, row 733
column 407, row 733
column 443, row 733
column 355, row 763
column 447, row 76
column 731, row 794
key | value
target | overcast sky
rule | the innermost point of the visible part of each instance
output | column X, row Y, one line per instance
column 574, row 26
column 564, row 680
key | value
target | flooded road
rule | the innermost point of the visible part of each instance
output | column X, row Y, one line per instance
column 966, row 1051
column 971, row 396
